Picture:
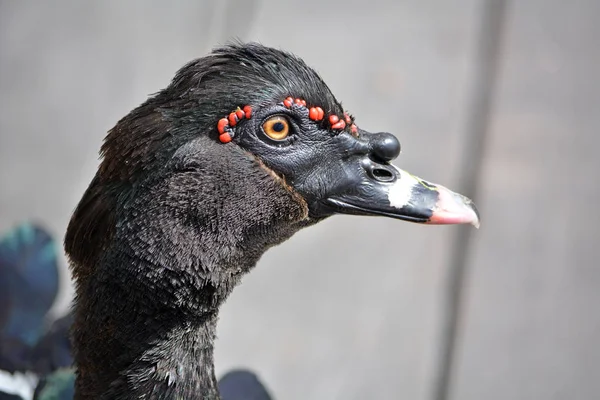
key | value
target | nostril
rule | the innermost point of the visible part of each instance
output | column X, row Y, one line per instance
column 383, row 175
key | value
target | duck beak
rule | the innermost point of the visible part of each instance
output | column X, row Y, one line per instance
column 404, row 196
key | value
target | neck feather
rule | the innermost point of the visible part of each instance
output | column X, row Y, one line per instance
column 131, row 345
column 146, row 307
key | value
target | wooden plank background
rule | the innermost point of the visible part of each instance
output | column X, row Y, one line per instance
column 354, row 308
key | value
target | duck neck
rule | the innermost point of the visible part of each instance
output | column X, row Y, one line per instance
column 146, row 308
column 132, row 343
column 178, row 365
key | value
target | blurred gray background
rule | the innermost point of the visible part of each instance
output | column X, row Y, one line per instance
column 363, row 308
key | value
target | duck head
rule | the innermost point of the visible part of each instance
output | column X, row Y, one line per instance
column 245, row 147
column 302, row 133
column 242, row 109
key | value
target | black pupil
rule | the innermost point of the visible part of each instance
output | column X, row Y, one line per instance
column 278, row 126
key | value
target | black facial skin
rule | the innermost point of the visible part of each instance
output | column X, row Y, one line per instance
column 321, row 164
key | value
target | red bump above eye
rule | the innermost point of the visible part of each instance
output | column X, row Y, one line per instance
column 240, row 114
column 221, row 125
column 333, row 119
column 232, row 119
column 248, row 111
column 287, row 102
column 225, row 137
column 313, row 114
column 339, row 125
column 303, row 102
column 347, row 118
column 321, row 113
column 298, row 102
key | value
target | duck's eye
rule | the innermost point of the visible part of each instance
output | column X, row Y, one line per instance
column 277, row 128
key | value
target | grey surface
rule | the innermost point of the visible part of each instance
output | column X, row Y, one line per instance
column 531, row 322
column 351, row 309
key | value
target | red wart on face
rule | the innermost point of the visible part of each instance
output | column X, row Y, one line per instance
column 225, row 125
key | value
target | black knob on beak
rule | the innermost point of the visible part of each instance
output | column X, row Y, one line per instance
column 384, row 147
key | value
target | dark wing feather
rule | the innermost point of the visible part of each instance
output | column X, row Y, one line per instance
column 242, row 385
column 29, row 280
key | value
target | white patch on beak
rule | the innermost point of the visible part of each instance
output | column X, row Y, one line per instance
column 400, row 192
